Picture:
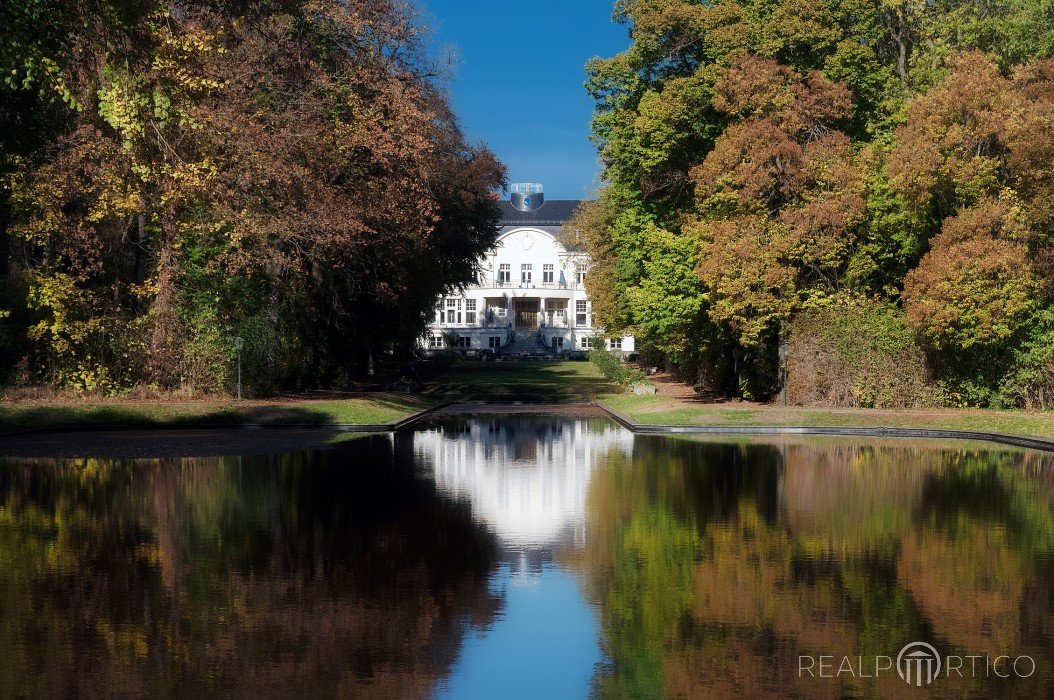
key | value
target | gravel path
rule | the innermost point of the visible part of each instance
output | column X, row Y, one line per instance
column 576, row 410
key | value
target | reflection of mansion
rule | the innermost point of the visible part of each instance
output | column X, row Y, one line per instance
column 530, row 293
column 527, row 480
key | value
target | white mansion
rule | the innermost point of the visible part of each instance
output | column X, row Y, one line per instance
column 530, row 294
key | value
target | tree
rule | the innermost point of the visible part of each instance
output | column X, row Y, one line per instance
column 659, row 117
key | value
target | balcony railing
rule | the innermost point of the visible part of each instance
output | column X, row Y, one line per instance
column 502, row 323
column 498, row 283
column 479, row 323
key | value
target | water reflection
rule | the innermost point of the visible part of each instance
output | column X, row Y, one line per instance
column 320, row 573
column 525, row 477
column 717, row 566
column 525, row 556
column 527, row 480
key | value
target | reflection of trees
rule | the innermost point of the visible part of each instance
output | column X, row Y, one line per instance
column 979, row 568
column 326, row 573
column 861, row 497
column 969, row 586
column 716, row 566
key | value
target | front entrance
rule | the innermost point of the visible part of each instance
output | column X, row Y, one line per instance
column 526, row 319
column 526, row 313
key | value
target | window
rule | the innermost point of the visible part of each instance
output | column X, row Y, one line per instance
column 558, row 343
column 580, row 313
column 584, row 343
column 502, row 311
column 494, row 342
column 580, row 273
column 525, row 273
column 464, row 341
column 436, row 341
column 547, row 274
column 453, row 311
column 615, row 344
column 470, row 312
column 504, row 274
column 554, row 311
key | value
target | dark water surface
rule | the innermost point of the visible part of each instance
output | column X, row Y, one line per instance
column 530, row 557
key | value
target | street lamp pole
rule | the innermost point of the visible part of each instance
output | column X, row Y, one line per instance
column 239, row 343
column 784, row 356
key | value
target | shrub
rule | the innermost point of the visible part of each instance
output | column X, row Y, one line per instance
column 265, row 351
column 444, row 359
column 614, row 369
column 859, row 353
column 758, row 378
column 205, row 353
column 1030, row 384
column 973, row 377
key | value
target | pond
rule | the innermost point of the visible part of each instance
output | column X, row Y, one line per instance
column 533, row 556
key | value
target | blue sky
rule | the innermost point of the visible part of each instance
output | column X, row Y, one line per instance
column 518, row 82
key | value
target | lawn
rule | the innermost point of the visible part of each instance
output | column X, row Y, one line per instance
column 497, row 383
column 491, row 382
column 526, row 382
column 664, row 410
column 368, row 409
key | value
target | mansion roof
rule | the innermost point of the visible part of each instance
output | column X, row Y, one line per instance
column 552, row 212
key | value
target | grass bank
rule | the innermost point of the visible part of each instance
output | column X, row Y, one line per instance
column 359, row 410
column 665, row 410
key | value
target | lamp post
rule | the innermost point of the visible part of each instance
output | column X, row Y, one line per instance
column 239, row 343
column 784, row 353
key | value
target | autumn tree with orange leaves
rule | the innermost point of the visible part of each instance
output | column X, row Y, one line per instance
column 779, row 196
column 286, row 172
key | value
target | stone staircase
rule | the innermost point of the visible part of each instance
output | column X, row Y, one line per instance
column 526, row 345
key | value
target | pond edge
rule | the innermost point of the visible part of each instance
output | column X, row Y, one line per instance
column 846, row 431
column 620, row 418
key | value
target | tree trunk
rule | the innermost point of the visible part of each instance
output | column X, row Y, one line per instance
column 901, row 35
column 165, row 341
column 5, row 246
column 902, row 57
column 140, row 243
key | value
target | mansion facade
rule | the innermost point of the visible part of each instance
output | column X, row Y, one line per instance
column 530, row 293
